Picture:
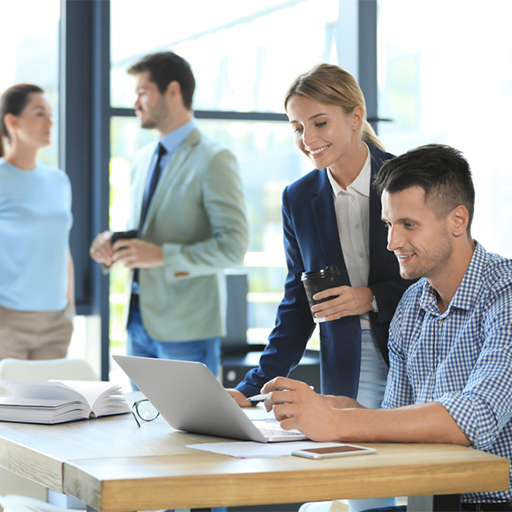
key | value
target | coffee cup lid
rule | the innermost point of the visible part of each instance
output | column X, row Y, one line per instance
column 329, row 271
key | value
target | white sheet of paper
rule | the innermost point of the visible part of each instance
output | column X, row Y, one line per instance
column 247, row 449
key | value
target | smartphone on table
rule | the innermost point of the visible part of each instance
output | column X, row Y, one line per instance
column 341, row 450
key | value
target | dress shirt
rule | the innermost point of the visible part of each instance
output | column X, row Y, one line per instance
column 172, row 141
column 352, row 208
column 461, row 358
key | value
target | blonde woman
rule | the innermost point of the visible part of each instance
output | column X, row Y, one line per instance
column 36, row 269
column 332, row 216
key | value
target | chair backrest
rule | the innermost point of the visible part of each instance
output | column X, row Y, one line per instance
column 48, row 369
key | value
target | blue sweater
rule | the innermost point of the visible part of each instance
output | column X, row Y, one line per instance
column 35, row 221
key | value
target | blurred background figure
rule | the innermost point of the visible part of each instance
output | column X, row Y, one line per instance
column 37, row 304
column 187, row 214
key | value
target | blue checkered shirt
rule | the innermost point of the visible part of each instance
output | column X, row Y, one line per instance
column 461, row 358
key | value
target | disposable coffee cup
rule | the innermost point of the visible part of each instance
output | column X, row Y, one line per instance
column 318, row 280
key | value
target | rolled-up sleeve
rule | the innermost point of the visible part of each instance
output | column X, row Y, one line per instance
column 484, row 406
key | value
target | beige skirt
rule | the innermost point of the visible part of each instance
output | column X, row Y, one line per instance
column 35, row 334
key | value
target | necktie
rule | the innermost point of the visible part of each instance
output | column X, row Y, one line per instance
column 153, row 178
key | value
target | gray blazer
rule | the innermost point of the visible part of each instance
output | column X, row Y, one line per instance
column 198, row 216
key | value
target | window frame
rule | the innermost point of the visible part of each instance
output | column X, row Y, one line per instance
column 85, row 114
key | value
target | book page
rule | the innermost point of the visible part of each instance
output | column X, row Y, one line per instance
column 93, row 391
column 40, row 390
column 98, row 396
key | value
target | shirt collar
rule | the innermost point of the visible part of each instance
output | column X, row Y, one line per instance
column 467, row 292
column 172, row 141
column 361, row 185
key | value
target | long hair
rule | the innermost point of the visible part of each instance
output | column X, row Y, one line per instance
column 13, row 101
column 333, row 85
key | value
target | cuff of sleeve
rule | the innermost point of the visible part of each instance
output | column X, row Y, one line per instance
column 178, row 266
column 473, row 417
column 247, row 389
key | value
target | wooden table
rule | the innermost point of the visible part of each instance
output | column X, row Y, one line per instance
column 112, row 465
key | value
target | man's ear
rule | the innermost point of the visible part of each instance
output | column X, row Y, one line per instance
column 460, row 220
column 174, row 89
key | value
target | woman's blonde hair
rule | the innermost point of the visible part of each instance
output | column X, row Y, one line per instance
column 332, row 85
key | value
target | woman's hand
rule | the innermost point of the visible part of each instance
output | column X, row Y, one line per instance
column 239, row 398
column 347, row 301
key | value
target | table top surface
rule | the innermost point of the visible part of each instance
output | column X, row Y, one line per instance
column 113, row 465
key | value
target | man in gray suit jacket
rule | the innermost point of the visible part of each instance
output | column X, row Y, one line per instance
column 188, row 207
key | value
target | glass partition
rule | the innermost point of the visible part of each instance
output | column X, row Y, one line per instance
column 244, row 57
column 448, row 80
column 268, row 162
column 29, row 38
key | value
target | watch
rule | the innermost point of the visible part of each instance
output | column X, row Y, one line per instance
column 373, row 305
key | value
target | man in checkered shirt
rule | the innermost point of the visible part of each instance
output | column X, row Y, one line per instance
column 450, row 343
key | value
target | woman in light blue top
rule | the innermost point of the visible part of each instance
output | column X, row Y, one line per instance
column 36, row 269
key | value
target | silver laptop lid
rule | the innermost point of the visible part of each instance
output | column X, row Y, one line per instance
column 190, row 398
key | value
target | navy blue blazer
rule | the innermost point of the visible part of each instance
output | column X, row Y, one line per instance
column 312, row 242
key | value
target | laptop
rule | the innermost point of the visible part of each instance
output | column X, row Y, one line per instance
column 190, row 398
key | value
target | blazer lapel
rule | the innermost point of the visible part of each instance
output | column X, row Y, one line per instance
column 182, row 153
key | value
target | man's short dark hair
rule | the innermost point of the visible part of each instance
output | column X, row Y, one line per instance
column 441, row 171
column 165, row 67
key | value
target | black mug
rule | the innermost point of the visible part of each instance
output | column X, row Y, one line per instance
column 123, row 235
column 318, row 280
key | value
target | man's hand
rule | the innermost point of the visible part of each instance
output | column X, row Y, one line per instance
column 347, row 301
column 330, row 418
column 239, row 398
column 134, row 253
column 101, row 249
column 296, row 405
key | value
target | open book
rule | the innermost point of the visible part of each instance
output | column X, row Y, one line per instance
column 49, row 402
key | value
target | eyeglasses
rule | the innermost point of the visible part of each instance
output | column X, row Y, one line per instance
column 144, row 410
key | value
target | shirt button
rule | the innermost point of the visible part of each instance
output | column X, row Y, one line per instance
column 361, row 255
column 357, row 226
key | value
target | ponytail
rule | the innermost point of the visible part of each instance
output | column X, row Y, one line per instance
column 370, row 136
column 2, row 151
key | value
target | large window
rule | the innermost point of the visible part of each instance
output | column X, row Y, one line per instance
column 244, row 57
column 244, row 54
column 30, row 53
column 448, row 80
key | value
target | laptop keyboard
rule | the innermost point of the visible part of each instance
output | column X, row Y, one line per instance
column 271, row 430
